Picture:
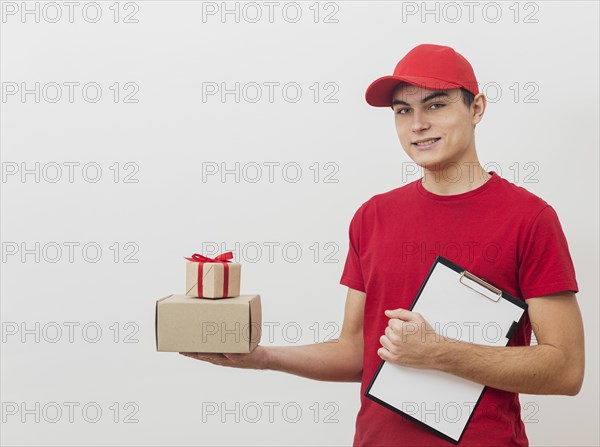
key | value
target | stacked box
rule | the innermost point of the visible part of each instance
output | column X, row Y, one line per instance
column 212, row 316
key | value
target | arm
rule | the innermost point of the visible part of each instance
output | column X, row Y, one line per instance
column 339, row 360
column 554, row 366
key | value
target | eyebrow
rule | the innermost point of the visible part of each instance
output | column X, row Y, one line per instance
column 437, row 94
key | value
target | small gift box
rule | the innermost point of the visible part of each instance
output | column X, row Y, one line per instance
column 212, row 277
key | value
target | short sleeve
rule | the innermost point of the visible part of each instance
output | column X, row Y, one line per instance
column 546, row 266
column 352, row 275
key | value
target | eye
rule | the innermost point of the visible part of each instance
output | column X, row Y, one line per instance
column 405, row 110
column 437, row 104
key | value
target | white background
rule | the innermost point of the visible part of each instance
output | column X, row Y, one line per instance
column 170, row 134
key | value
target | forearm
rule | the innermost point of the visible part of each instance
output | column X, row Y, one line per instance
column 520, row 369
column 332, row 361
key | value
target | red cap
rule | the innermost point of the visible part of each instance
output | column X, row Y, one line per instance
column 433, row 67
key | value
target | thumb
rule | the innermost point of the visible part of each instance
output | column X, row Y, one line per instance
column 396, row 313
column 402, row 314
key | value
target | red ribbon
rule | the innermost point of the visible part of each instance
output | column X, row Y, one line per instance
column 223, row 258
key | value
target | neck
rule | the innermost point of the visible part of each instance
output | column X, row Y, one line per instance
column 452, row 180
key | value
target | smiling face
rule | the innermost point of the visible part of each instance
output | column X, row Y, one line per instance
column 435, row 127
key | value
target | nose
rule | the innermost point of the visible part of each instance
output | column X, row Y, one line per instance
column 419, row 122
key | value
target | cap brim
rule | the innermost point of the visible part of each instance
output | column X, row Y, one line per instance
column 379, row 93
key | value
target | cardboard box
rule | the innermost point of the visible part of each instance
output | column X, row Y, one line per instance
column 213, row 274
column 188, row 324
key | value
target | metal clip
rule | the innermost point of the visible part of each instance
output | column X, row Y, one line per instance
column 497, row 292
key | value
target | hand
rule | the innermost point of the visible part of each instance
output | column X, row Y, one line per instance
column 409, row 340
column 257, row 359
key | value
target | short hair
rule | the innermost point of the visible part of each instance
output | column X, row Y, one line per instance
column 467, row 97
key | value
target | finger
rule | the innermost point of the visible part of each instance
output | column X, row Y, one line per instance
column 385, row 354
column 386, row 343
column 396, row 325
column 410, row 327
column 192, row 355
column 392, row 335
column 195, row 355
column 402, row 314
column 212, row 358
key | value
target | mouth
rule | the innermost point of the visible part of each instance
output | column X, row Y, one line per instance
column 426, row 144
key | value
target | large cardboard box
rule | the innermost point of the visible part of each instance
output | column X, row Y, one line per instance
column 213, row 279
column 227, row 325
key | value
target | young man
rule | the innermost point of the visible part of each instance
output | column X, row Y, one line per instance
column 491, row 227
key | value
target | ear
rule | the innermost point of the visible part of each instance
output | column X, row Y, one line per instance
column 478, row 108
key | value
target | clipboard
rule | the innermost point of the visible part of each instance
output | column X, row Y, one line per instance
column 461, row 306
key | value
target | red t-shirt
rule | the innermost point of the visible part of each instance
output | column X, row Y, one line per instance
column 498, row 231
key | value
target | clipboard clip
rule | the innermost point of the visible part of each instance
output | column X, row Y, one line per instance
column 497, row 292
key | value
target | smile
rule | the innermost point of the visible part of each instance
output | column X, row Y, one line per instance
column 427, row 144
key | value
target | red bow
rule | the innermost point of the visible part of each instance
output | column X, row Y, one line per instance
column 223, row 258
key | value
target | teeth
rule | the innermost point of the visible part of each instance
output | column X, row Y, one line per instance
column 425, row 143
